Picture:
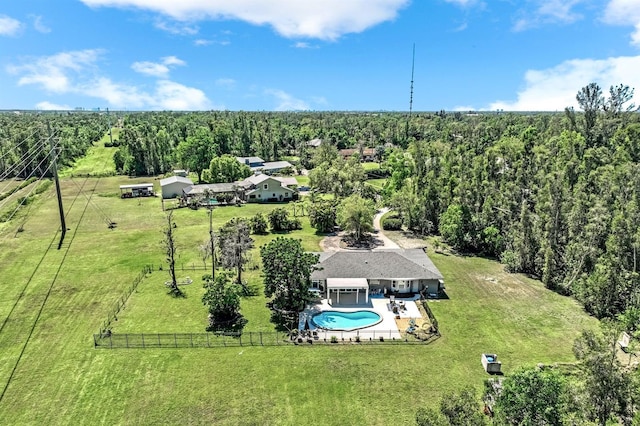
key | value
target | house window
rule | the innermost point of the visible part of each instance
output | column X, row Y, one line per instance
column 265, row 186
column 286, row 194
column 252, row 196
column 258, row 195
column 273, row 195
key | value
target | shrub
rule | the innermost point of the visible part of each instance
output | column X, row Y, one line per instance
column 392, row 224
column 294, row 224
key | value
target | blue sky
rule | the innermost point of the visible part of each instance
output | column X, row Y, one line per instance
column 526, row 55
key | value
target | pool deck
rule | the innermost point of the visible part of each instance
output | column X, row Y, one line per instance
column 386, row 328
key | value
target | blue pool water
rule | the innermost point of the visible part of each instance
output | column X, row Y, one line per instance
column 345, row 321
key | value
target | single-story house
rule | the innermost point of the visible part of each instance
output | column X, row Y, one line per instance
column 196, row 192
column 172, row 186
column 349, row 277
column 251, row 161
column 257, row 164
column 367, row 155
column 264, row 188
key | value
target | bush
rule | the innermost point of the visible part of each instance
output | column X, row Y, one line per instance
column 392, row 224
column 294, row 224
column 258, row 224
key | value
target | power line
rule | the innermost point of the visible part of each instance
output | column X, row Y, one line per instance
column 20, row 144
column 26, row 158
column 24, row 199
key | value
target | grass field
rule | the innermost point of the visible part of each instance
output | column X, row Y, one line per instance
column 97, row 162
column 370, row 166
column 51, row 301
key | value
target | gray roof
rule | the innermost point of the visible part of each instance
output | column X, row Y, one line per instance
column 273, row 165
column 377, row 264
column 256, row 180
column 173, row 179
column 216, row 188
column 251, row 160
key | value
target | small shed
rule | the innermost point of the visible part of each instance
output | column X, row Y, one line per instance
column 172, row 186
column 136, row 190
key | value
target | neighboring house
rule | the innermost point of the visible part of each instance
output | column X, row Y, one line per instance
column 257, row 164
column 172, row 186
column 349, row 277
column 180, row 172
column 367, row 155
column 314, row 143
column 216, row 190
column 251, row 161
column 264, row 188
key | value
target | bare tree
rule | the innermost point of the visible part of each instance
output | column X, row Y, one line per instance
column 169, row 245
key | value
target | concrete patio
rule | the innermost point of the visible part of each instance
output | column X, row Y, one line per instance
column 387, row 328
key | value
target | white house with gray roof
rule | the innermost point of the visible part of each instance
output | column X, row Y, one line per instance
column 264, row 188
column 349, row 277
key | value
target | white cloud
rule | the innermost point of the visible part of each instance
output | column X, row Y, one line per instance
column 156, row 69
column 304, row 45
column 555, row 88
column 172, row 60
column 625, row 12
column 170, row 95
column 39, row 25
column 328, row 19
column 548, row 12
column 77, row 73
column 227, row 83
column 9, row 26
column 150, row 68
column 178, row 28
column 286, row 102
column 53, row 72
column 202, row 42
column 462, row 3
column 49, row 106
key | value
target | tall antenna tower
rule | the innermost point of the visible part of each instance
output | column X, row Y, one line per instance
column 413, row 63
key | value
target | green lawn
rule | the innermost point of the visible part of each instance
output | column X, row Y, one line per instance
column 57, row 377
column 97, row 162
column 302, row 180
column 370, row 166
column 377, row 183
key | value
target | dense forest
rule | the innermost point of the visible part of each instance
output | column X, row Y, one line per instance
column 25, row 140
column 554, row 195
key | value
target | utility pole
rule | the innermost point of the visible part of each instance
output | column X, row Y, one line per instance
column 54, row 166
column 211, row 241
column 109, row 120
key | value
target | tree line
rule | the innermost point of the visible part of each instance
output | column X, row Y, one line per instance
column 24, row 140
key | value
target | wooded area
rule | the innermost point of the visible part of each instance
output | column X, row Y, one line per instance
column 554, row 195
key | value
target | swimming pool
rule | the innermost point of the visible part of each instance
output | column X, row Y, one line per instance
column 345, row 321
